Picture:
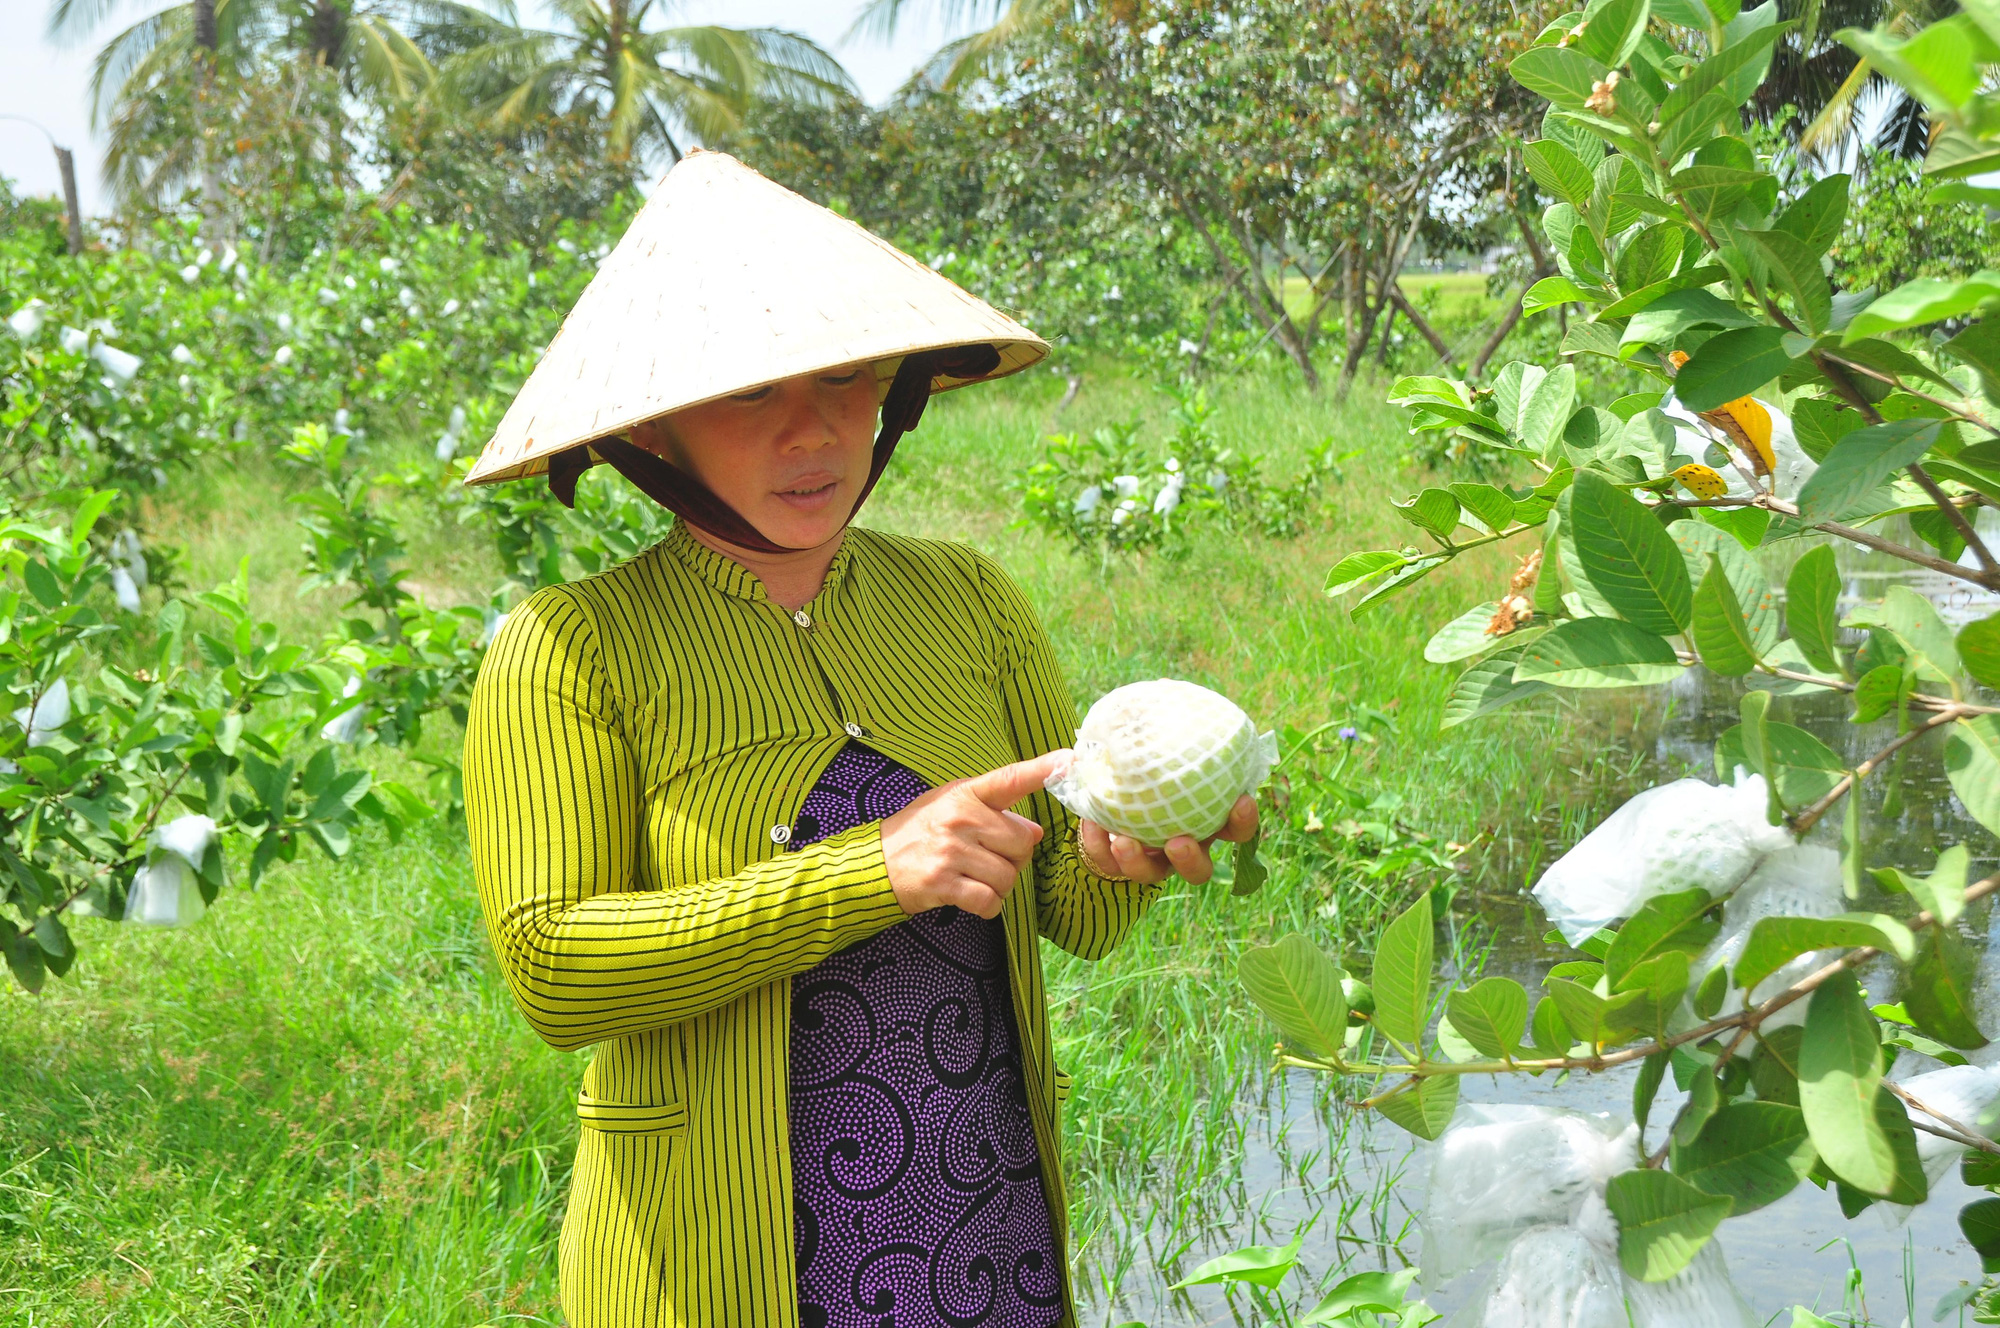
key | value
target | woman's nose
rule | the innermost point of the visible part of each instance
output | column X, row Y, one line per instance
column 808, row 422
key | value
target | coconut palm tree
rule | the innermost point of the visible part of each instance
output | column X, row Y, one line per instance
column 650, row 86
column 1832, row 88
column 153, row 84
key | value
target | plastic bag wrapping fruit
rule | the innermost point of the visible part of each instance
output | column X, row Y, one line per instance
column 1986, row 1000
column 1679, row 836
column 1790, row 466
column 1802, row 881
column 165, row 892
column 1968, row 1094
column 1163, row 758
column 1520, row 1189
column 1701, row 1295
column 1499, row 1170
column 1550, row 1277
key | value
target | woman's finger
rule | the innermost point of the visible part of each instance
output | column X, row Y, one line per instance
column 1242, row 822
column 1010, row 835
column 1135, row 860
column 996, row 871
column 978, row 898
column 1190, row 859
column 1096, row 843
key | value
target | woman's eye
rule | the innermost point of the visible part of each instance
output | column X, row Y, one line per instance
column 841, row 380
column 757, row 395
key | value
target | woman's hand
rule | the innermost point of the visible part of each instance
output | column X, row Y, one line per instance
column 1116, row 855
column 959, row 844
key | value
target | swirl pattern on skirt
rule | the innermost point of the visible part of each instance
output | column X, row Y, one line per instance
column 917, row 1190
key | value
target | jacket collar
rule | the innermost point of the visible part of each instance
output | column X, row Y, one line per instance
column 733, row 578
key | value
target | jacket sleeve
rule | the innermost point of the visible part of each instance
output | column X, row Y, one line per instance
column 1082, row 912
column 552, row 803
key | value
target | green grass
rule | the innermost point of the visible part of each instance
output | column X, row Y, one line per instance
column 1453, row 302
column 319, row 1107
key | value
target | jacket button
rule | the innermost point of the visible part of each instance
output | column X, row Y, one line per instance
column 854, row 730
column 802, row 618
column 781, row 834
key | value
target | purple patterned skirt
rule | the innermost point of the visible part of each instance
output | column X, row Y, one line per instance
column 917, row 1191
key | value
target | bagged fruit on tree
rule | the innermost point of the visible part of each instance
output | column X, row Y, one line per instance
column 1550, row 1277
column 166, row 892
column 1802, row 881
column 1680, row 836
column 1158, row 759
column 1500, row 1170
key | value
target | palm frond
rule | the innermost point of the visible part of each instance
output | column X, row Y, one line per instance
column 879, row 19
column 70, row 21
column 796, row 68
column 384, row 61
column 980, row 53
column 1834, row 126
column 627, row 113
column 1906, row 131
column 443, row 28
column 706, row 112
column 117, row 65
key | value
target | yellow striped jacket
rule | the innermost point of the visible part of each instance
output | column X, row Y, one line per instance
column 638, row 744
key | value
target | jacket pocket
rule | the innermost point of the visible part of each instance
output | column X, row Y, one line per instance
column 1062, row 1087
column 608, row 1117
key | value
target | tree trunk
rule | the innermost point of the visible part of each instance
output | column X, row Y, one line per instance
column 1492, row 345
column 66, row 163
column 1418, row 321
column 1388, row 330
column 1543, row 267
column 1269, row 303
column 204, row 145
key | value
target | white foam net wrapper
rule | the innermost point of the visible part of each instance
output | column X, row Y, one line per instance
column 1163, row 758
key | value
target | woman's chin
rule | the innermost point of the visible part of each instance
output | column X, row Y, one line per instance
column 804, row 525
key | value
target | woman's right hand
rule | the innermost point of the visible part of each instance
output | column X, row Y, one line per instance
column 960, row 844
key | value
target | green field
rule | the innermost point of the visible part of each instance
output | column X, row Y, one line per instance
column 1455, row 303
column 319, row 1107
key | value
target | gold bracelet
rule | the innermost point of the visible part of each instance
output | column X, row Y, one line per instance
column 1084, row 853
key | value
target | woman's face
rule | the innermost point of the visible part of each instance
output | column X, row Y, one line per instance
column 790, row 458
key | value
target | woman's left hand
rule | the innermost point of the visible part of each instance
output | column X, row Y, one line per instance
column 1117, row 855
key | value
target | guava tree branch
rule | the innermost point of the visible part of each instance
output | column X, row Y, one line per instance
column 1744, row 1022
column 1896, row 381
column 1987, row 580
column 1957, row 518
column 1809, row 816
column 1920, row 700
column 1946, row 1127
column 1839, row 373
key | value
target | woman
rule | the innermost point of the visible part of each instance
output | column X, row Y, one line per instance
column 760, row 813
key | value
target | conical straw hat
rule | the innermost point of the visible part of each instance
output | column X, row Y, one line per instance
column 726, row 281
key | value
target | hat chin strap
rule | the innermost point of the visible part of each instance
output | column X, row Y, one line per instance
column 698, row 505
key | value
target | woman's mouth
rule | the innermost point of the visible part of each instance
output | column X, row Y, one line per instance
column 810, row 493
